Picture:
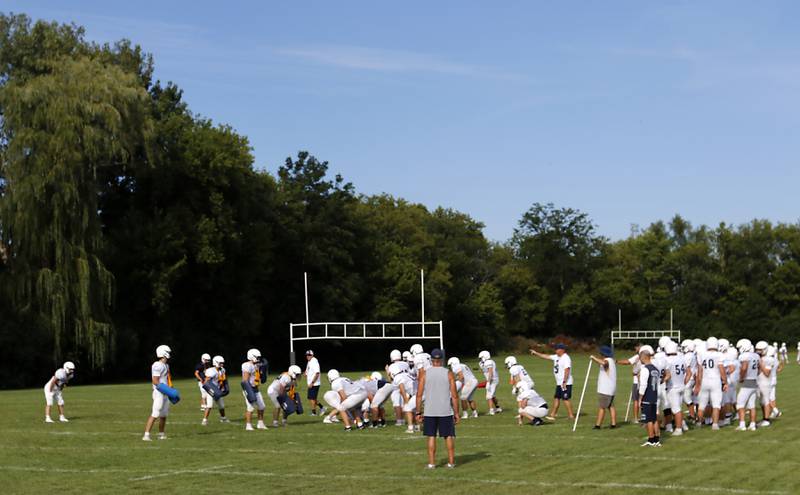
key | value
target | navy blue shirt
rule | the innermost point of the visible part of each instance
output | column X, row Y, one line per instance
column 653, row 379
column 200, row 369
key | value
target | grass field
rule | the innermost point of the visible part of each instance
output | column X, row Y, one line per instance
column 101, row 451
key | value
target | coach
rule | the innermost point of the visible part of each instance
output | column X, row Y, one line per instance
column 437, row 403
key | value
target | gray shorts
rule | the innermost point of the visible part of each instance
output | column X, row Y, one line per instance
column 635, row 392
column 605, row 401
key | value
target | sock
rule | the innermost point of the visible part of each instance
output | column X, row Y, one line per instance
column 741, row 424
column 657, row 438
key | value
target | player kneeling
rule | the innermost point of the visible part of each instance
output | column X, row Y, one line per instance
column 52, row 391
column 531, row 405
column 216, row 388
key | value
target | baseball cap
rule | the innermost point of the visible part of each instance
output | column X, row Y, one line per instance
column 437, row 354
column 606, row 351
column 309, row 352
column 560, row 346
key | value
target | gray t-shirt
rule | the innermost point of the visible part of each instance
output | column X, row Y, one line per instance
column 437, row 392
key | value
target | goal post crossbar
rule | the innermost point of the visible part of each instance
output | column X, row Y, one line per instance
column 617, row 335
column 330, row 330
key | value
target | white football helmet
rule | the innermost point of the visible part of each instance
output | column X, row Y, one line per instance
column 687, row 345
column 453, row 361
column 69, row 367
column 416, row 349
column 484, row 355
column 712, row 343
column 724, row 344
column 253, row 355
column 294, row 371
column 761, row 346
column 671, row 348
column 510, row 361
column 218, row 361
column 646, row 349
column 376, row 376
column 742, row 344
column 775, row 345
column 333, row 375
column 395, row 355
column 205, row 358
column 407, row 357
column 663, row 341
column 771, row 351
column 163, row 351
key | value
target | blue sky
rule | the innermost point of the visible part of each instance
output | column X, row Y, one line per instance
column 630, row 111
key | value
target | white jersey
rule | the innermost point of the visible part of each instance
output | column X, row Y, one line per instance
column 249, row 367
column 636, row 367
column 397, row 368
column 312, row 370
column 533, row 398
column 710, row 361
column 487, row 365
column 607, row 378
column 560, row 365
column 422, row 361
column 660, row 362
column 368, row 384
column 465, row 370
column 283, row 380
column 751, row 359
column 160, row 370
column 690, row 360
column 769, row 363
column 211, row 373
column 408, row 382
column 519, row 372
column 676, row 364
column 61, row 379
column 731, row 359
column 349, row 387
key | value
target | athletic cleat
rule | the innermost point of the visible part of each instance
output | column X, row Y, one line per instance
column 498, row 410
column 335, row 419
column 48, row 419
column 715, row 426
column 677, row 432
column 327, row 420
column 411, row 432
column 162, row 436
column 322, row 409
column 475, row 414
column 464, row 415
column 63, row 419
column 685, row 427
column 204, row 422
column 313, row 413
column 224, row 420
column 274, row 424
column 248, row 427
column 261, row 426
column 668, row 428
column 646, row 444
column 656, row 444
column 741, row 428
column 430, row 466
column 537, row 422
column 763, row 424
column 147, row 438
column 549, row 418
column 450, row 466
column 752, row 427
column 491, row 412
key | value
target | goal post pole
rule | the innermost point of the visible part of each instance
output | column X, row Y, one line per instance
column 580, row 402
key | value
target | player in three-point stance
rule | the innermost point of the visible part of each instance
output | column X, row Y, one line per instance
column 466, row 384
column 52, row 391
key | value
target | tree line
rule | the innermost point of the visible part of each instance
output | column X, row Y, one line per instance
column 127, row 220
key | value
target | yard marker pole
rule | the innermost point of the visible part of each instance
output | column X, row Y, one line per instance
column 628, row 407
column 580, row 403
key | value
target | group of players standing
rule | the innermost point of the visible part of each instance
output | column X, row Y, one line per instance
column 714, row 379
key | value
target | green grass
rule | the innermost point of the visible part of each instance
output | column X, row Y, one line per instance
column 100, row 450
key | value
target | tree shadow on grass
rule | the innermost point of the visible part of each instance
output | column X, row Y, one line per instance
column 467, row 458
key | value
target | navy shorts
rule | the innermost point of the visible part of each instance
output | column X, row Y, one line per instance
column 650, row 413
column 563, row 394
column 445, row 426
column 312, row 392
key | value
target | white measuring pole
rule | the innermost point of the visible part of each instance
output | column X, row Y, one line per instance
column 580, row 402
column 628, row 407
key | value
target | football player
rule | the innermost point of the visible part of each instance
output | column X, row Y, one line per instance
column 251, row 379
column 773, row 382
column 749, row 363
column 710, row 384
column 531, row 405
column 215, row 378
column 200, row 375
column 489, row 369
column 278, row 388
column 468, row 385
column 351, row 395
column 649, row 380
column 52, row 391
column 163, row 393
column 679, row 376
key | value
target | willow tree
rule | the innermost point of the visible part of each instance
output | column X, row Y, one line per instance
column 61, row 130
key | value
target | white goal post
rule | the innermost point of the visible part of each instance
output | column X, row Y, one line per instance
column 375, row 330
column 638, row 335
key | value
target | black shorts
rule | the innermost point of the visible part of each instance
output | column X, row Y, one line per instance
column 563, row 394
column 312, row 392
column 445, row 426
column 650, row 412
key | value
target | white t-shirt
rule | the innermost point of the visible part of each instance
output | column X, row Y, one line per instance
column 752, row 360
column 211, row 373
column 490, row 365
column 607, row 379
column 560, row 364
column 349, row 387
column 312, row 368
column 284, row 379
column 690, row 360
column 533, row 398
column 161, row 370
column 519, row 372
column 249, row 367
column 710, row 361
column 408, row 382
column 636, row 367
column 422, row 361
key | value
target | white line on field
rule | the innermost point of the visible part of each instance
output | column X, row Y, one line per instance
column 209, row 470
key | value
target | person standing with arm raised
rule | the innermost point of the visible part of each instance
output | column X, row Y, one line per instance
column 562, row 371
column 437, row 407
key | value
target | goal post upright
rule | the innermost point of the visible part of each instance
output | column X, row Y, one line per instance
column 620, row 334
